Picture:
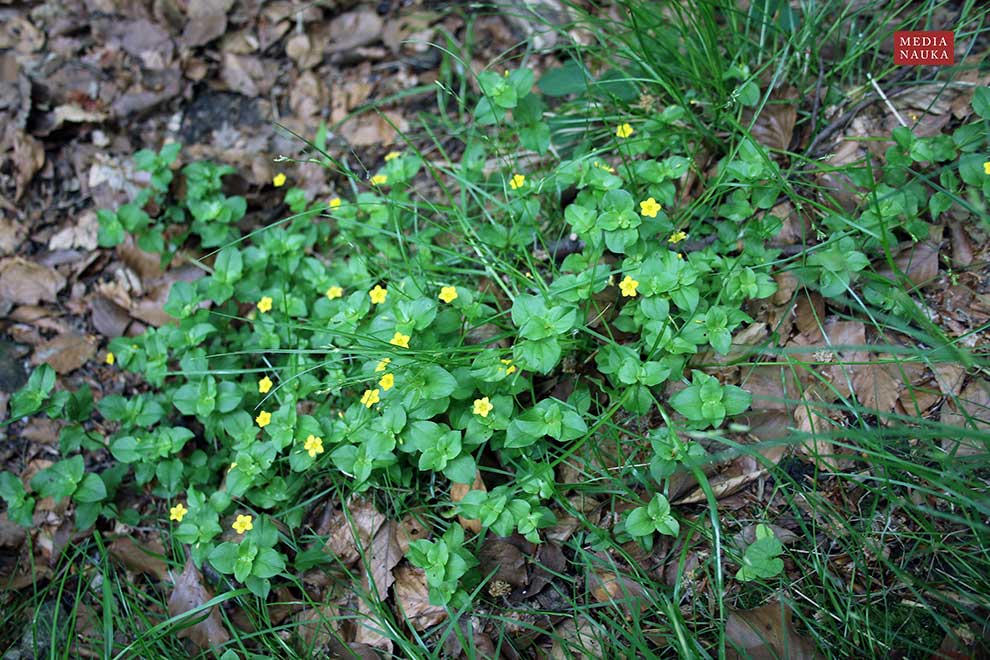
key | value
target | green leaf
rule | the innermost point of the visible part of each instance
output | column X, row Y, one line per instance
column 571, row 78
column 981, row 102
column 110, row 232
column 60, row 480
column 268, row 563
column 761, row 559
column 30, row 398
column 91, row 489
column 461, row 470
column 223, row 557
column 541, row 355
column 639, row 522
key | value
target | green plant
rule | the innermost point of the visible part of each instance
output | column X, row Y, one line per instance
column 762, row 556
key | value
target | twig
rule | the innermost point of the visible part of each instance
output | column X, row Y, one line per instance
column 890, row 106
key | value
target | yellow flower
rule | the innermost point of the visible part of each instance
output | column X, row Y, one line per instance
column 517, row 181
column 313, row 445
column 448, row 294
column 265, row 304
column 483, row 406
column 628, row 286
column 243, row 524
column 399, row 339
column 264, row 385
column 379, row 180
column 335, row 203
column 370, row 398
column 334, row 292
column 624, row 131
column 392, row 155
column 383, row 364
column 649, row 208
column 111, row 358
column 603, row 166
column 509, row 368
column 378, row 295
column 986, row 168
column 264, row 418
column 386, row 383
column 677, row 237
column 177, row 512
column 279, row 180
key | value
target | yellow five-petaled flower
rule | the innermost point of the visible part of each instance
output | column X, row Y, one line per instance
column 177, row 512
column 677, row 237
column 111, row 358
column 378, row 295
column 379, row 180
column 387, row 382
column 392, row 155
column 335, row 292
column 265, row 304
column 628, row 287
column 649, row 208
column 335, row 203
column 383, row 364
column 370, row 397
column 517, row 181
column 448, row 294
column 986, row 168
column 278, row 180
column 313, row 445
column 509, row 368
column 483, row 406
column 265, row 385
column 399, row 339
column 243, row 524
column 264, row 418
column 624, row 131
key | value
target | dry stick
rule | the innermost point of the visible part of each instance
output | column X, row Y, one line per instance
column 890, row 106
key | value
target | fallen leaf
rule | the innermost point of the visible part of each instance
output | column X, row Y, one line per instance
column 354, row 29
column 766, row 632
column 11, row 534
column 354, row 530
column 190, row 594
column 65, row 353
column 109, row 318
column 413, row 598
column 370, row 129
column 457, row 493
column 608, row 587
column 27, row 283
column 207, row 21
column 970, row 410
column 11, row 235
column 299, row 48
column 502, row 560
column 409, row 531
column 80, row 233
column 774, row 126
column 143, row 558
column 577, row 640
column 29, row 157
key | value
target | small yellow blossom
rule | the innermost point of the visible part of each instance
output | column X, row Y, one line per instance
column 111, row 358
column 243, row 524
column 628, row 286
column 517, row 181
column 265, row 304
column 279, row 180
column 177, row 512
column 680, row 256
column 624, row 131
column 677, row 237
column 986, row 168
column 603, row 166
column 313, row 445
column 649, row 208
column 383, row 364
column 370, row 397
column 386, row 383
column 448, row 294
column 379, row 180
column 264, row 385
column 264, row 418
column 378, row 295
column 509, row 367
column 392, row 155
column 399, row 339
column 335, row 203
column 483, row 406
column 334, row 292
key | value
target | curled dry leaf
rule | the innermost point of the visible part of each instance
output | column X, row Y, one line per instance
column 766, row 632
column 504, row 561
column 24, row 282
column 577, row 640
column 413, row 598
column 457, row 493
column 608, row 587
column 774, row 127
column 190, row 594
column 970, row 410
column 354, row 530
column 354, row 29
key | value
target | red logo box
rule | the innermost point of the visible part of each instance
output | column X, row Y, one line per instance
column 927, row 47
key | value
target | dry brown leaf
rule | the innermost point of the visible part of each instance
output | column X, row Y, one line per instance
column 742, row 470
column 373, row 129
column 299, row 48
column 65, row 353
column 410, row 530
column 109, row 318
column 79, row 233
column 766, row 632
column 11, row 534
column 143, row 558
column 457, row 493
column 29, row 158
column 352, row 533
column 11, row 235
column 575, row 641
column 503, row 560
column 413, row 598
column 962, row 247
column 354, row 29
column 608, row 587
column 24, row 282
column 812, row 418
column 877, row 386
column 190, row 594
column 207, row 21
column 918, row 261
column 971, row 409
column 774, row 126
column 18, row 33
column 42, row 431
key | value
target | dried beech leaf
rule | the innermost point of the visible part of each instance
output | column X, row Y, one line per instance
column 189, row 594
column 413, row 598
column 766, row 632
column 24, row 282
